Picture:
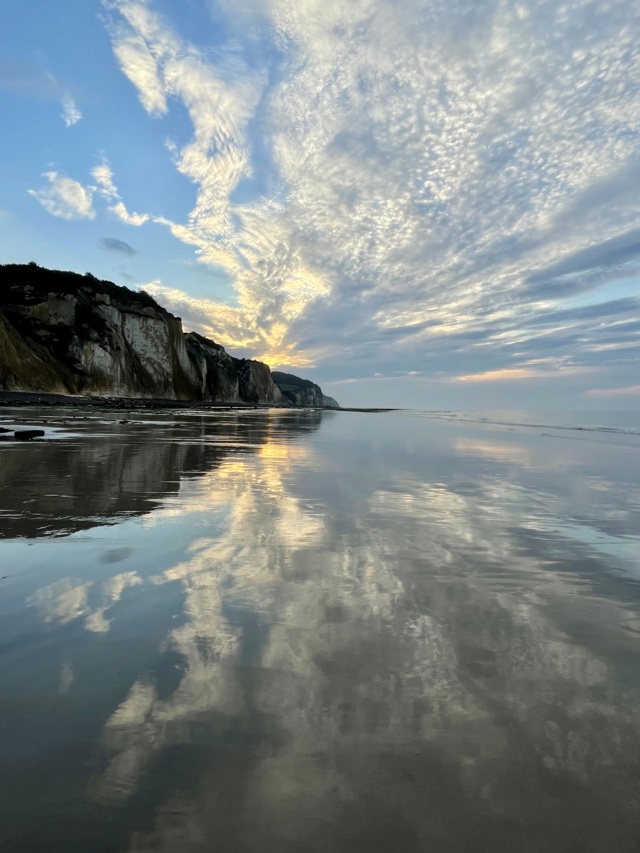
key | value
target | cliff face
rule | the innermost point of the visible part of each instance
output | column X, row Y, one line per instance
column 222, row 377
column 330, row 402
column 24, row 367
column 256, row 383
column 66, row 333
column 302, row 392
column 92, row 336
column 215, row 370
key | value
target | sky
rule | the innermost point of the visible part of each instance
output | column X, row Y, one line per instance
column 425, row 203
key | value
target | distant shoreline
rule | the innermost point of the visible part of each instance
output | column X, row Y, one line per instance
column 35, row 398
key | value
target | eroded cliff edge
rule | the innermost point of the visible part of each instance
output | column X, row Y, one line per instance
column 62, row 332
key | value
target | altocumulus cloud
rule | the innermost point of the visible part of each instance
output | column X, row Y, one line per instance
column 435, row 179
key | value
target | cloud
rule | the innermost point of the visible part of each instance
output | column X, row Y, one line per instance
column 112, row 244
column 607, row 254
column 70, row 113
column 33, row 80
column 140, row 66
column 29, row 79
column 69, row 199
column 253, row 243
column 404, row 182
column 65, row 198
column 124, row 215
column 630, row 391
column 103, row 176
column 505, row 374
column 536, row 370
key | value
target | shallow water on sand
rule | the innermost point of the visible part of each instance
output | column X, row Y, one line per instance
column 249, row 632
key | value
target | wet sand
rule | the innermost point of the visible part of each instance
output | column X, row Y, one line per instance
column 253, row 631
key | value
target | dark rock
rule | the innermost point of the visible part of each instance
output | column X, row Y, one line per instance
column 28, row 434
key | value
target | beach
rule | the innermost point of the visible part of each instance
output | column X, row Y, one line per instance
column 288, row 630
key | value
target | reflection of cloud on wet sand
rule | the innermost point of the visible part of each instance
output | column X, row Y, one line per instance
column 62, row 601
column 69, row 599
column 386, row 640
column 350, row 665
column 112, row 590
column 261, row 524
column 516, row 454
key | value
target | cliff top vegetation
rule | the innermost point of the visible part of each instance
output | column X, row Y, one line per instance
column 45, row 281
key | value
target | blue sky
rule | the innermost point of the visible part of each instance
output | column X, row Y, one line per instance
column 411, row 202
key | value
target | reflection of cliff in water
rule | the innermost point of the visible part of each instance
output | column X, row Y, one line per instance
column 131, row 468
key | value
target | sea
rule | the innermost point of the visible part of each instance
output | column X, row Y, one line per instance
column 274, row 631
